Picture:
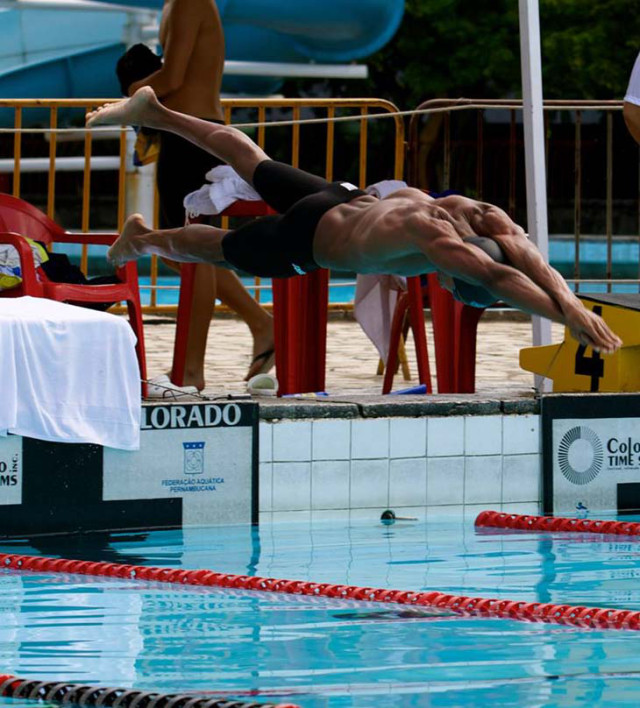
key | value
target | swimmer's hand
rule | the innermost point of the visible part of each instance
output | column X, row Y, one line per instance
column 592, row 331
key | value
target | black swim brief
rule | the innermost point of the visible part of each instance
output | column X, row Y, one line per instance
column 281, row 246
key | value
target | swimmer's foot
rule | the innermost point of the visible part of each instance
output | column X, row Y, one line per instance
column 130, row 243
column 143, row 108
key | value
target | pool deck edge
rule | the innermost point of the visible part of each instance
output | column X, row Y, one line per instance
column 404, row 406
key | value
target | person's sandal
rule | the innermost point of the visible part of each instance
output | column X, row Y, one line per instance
column 268, row 359
column 263, row 385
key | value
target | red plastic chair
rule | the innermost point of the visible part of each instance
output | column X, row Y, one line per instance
column 455, row 327
column 300, row 320
column 409, row 302
column 18, row 218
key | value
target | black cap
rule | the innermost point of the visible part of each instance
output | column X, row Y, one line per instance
column 135, row 64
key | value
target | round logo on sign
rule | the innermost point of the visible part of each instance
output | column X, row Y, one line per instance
column 580, row 455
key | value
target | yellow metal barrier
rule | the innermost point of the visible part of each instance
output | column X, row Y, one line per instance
column 388, row 164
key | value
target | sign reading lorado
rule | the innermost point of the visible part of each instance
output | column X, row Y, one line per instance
column 591, row 453
column 205, row 454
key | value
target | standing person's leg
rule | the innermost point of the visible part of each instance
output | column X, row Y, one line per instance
column 281, row 186
column 181, row 169
column 235, row 296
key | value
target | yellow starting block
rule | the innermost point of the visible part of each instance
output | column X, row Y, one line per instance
column 574, row 367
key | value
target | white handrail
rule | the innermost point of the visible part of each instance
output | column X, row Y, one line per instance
column 63, row 164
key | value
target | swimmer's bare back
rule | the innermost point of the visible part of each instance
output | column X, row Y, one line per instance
column 370, row 235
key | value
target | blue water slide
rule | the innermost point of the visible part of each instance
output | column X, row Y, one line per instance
column 320, row 30
column 72, row 53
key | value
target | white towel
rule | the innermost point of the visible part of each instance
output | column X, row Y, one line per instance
column 376, row 295
column 385, row 187
column 226, row 188
column 373, row 307
column 69, row 374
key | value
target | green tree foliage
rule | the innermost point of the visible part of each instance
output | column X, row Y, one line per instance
column 452, row 48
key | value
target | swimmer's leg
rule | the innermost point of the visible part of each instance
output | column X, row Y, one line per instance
column 226, row 143
column 194, row 243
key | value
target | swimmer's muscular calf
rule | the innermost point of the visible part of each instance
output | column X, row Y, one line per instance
column 408, row 233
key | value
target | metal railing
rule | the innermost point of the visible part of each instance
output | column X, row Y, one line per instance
column 338, row 148
column 476, row 147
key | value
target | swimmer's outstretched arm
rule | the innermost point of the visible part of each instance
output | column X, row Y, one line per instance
column 452, row 256
column 523, row 255
column 194, row 243
column 223, row 141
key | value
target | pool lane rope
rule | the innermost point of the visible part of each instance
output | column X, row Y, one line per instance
column 81, row 695
column 579, row 616
column 524, row 522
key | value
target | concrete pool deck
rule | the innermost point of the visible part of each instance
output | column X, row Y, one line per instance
column 352, row 360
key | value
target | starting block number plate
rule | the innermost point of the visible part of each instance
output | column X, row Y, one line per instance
column 574, row 367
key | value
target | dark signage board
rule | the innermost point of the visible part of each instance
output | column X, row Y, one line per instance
column 197, row 465
column 591, row 454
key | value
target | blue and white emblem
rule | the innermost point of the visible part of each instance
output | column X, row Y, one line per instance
column 193, row 457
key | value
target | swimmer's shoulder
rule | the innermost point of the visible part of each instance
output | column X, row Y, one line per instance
column 458, row 201
column 410, row 193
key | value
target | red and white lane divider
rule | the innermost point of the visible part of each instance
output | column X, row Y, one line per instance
column 83, row 695
column 580, row 616
column 520, row 522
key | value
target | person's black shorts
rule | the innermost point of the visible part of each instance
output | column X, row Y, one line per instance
column 281, row 246
column 181, row 169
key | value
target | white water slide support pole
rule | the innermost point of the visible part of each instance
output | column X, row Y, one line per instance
column 532, row 111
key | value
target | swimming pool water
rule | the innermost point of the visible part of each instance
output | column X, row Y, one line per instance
column 341, row 290
column 322, row 653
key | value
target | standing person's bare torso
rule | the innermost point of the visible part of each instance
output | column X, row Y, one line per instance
column 199, row 91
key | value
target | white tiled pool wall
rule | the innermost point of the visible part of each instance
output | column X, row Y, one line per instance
column 453, row 465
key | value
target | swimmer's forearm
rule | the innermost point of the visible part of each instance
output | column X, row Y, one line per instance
column 555, row 285
column 526, row 258
column 518, row 290
column 587, row 328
